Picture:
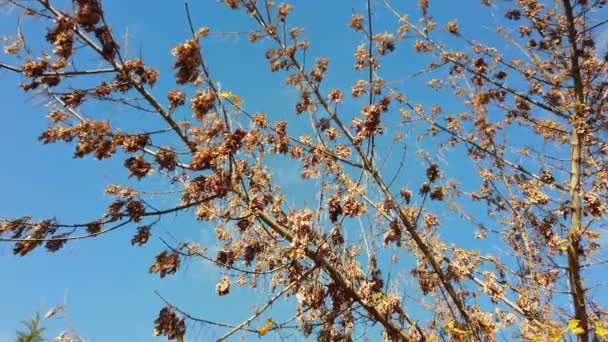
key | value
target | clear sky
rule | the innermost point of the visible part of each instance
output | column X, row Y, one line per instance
column 109, row 292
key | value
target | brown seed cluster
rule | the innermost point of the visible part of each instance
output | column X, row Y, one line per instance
column 142, row 236
column 356, row 22
column 385, row 43
column 166, row 159
column 170, row 325
column 138, row 166
column 109, row 47
column 33, row 69
column 335, row 95
column 92, row 136
column 166, row 263
column 188, row 61
column 283, row 11
column 223, row 287
column 88, row 14
column 176, row 98
column 62, row 36
column 452, row 27
column 202, row 102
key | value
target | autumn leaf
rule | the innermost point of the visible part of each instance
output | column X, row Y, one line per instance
column 231, row 96
column 264, row 330
column 451, row 327
column 600, row 330
column 573, row 324
column 578, row 331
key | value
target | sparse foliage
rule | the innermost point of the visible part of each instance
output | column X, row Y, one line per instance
column 522, row 120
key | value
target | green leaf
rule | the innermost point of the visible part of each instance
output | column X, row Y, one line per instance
column 34, row 331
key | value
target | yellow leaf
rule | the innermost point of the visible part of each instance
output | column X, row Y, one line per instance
column 264, row 330
column 230, row 95
column 573, row 323
column 599, row 330
column 459, row 331
column 224, row 94
column 450, row 326
column 578, row 331
column 236, row 99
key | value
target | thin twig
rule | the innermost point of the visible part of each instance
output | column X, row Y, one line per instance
column 261, row 310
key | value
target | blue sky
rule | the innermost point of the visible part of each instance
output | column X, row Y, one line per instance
column 109, row 293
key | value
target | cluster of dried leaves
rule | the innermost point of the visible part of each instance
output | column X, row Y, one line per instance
column 541, row 198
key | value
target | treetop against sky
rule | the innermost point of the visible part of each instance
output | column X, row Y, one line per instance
column 328, row 170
